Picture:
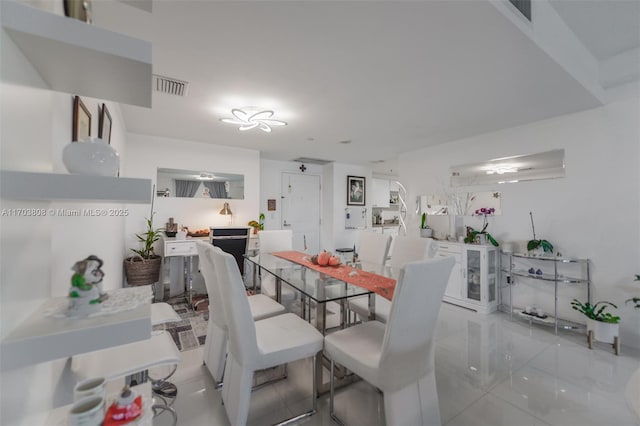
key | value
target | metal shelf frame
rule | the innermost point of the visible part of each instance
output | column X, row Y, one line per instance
column 555, row 278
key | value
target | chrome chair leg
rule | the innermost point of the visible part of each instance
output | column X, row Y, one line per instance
column 314, row 397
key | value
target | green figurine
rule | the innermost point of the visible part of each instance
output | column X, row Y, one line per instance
column 86, row 286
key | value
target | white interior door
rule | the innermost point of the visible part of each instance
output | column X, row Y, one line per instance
column 301, row 210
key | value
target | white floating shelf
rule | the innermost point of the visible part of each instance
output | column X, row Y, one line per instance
column 75, row 57
column 15, row 185
column 44, row 338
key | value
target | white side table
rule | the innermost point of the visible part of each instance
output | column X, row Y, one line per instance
column 186, row 249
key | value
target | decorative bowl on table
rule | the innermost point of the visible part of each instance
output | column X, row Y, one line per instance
column 325, row 258
column 199, row 233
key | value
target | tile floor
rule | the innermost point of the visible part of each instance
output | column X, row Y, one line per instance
column 489, row 370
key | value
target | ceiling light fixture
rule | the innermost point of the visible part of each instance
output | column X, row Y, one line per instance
column 205, row 176
column 501, row 170
column 251, row 117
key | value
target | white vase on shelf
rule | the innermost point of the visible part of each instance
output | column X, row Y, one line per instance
column 91, row 156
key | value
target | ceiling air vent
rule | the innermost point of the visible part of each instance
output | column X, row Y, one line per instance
column 312, row 160
column 524, row 6
column 170, row 86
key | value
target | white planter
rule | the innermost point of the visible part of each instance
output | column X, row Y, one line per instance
column 603, row 331
column 91, row 156
column 426, row 232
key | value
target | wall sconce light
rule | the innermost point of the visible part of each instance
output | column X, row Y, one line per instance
column 227, row 212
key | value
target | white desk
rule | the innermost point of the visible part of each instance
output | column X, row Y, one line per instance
column 171, row 247
column 186, row 249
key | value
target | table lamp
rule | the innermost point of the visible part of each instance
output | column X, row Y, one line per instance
column 227, row 212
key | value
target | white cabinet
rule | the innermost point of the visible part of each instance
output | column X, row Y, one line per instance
column 380, row 193
column 473, row 280
column 455, row 279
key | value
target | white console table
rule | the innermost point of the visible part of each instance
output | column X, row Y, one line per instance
column 186, row 249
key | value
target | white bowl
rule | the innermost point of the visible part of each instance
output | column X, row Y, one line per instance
column 91, row 156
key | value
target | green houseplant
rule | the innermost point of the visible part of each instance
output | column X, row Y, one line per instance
column 535, row 244
column 635, row 300
column 595, row 313
column 425, row 230
column 601, row 325
column 144, row 267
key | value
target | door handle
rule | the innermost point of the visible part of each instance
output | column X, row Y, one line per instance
column 286, row 224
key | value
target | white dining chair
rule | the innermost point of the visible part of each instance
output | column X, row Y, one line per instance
column 398, row 358
column 257, row 345
column 269, row 242
column 373, row 249
column 215, row 346
column 406, row 249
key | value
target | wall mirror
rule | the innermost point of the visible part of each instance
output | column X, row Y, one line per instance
column 544, row 165
column 199, row 184
column 460, row 203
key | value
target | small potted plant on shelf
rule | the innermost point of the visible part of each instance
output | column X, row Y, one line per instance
column 482, row 236
column 425, row 230
column 144, row 267
column 257, row 225
column 602, row 326
column 534, row 246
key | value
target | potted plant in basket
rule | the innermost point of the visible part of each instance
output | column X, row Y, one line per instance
column 601, row 325
column 144, row 267
column 425, row 230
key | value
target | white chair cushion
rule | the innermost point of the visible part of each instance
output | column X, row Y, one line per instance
column 360, row 305
column 285, row 338
column 124, row 360
column 162, row 313
column 358, row 347
column 264, row 307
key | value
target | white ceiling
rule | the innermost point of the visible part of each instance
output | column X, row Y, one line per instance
column 389, row 76
column 605, row 27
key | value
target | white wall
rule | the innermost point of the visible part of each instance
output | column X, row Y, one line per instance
column 335, row 195
column 271, row 187
column 145, row 154
column 594, row 212
column 37, row 253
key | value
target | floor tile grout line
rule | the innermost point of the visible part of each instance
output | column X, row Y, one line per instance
column 520, row 409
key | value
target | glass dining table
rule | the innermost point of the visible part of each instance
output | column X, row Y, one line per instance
column 317, row 290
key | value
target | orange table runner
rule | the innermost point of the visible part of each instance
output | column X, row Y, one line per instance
column 379, row 284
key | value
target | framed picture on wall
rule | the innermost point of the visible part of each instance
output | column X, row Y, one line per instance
column 78, row 9
column 356, row 191
column 81, row 120
column 104, row 125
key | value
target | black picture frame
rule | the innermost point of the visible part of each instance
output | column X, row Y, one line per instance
column 81, row 126
column 104, row 125
column 356, row 191
column 78, row 9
